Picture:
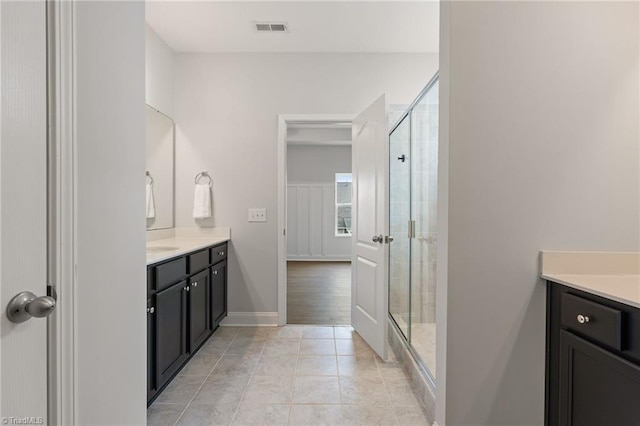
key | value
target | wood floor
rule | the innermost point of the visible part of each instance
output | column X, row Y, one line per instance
column 319, row 293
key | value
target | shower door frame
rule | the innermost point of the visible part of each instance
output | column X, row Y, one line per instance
column 430, row 375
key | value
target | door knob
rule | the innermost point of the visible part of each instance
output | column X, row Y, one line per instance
column 26, row 305
column 583, row 319
column 377, row 238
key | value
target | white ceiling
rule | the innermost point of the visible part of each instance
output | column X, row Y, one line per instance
column 314, row 26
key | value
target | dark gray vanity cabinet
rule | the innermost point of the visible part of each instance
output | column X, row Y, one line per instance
column 171, row 331
column 593, row 360
column 200, row 326
column 151, row 362
column 186, row 300
column 218, row 292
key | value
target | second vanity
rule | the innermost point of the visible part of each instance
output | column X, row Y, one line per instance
column 593, row 338
column 186, row 299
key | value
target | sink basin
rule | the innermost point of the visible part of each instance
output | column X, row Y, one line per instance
column 160, row 249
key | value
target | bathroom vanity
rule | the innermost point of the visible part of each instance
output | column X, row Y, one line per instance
column 593, row 340
column 186, row 300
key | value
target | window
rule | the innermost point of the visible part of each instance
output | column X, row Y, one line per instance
column 343, row 204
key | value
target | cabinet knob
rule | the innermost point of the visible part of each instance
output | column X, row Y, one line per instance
column 195, row 284
column 583, row 319
column 220, row 253
column 188, row 288
column 215, row 272
column 151, row 310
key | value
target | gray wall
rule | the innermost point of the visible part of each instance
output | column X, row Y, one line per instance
column 317, row 163
column 227, row 107
column 110, row 294
column 544, row 147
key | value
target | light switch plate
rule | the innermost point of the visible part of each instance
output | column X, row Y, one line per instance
column 257, row 215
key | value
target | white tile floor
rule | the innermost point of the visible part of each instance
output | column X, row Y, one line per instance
column 293, row 375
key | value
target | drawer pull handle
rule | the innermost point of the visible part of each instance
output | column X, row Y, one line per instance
column 583, row 319
column 220, row 253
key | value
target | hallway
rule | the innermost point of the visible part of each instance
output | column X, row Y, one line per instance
column 319, row 293
column 290, row 375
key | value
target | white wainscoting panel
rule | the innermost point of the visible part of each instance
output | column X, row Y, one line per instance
column 310, row 228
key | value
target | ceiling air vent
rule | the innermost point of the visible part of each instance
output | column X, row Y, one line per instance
column 273, row 27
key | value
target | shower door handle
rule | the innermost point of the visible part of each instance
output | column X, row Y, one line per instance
column 411, row 229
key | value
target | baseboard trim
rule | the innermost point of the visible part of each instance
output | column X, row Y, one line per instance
column 263, row 319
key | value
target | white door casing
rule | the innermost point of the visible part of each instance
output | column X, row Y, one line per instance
column 23, row 200
column 283, row 121
column 369, row 278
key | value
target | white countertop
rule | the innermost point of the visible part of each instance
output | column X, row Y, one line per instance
column 615, row 276
column 182, row 241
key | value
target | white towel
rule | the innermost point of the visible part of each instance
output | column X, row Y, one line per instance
column 202, row 201
column 151, row 205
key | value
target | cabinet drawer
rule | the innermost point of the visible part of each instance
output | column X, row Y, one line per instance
column 170, row 272
column 198, row 261
column 218, row 253
column 594, row 320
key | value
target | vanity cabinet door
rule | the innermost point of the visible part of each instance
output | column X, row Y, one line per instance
column 218, row 292
column 171, row 328
column 596, row 386
column 151, row 376
column 199, row 309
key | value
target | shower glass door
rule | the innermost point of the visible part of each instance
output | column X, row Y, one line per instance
column 424, row 195
column 413, row 184
column 399, row 215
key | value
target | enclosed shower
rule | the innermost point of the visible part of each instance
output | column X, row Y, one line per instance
column 413, row 184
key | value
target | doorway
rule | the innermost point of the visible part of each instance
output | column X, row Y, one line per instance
column 318, row 223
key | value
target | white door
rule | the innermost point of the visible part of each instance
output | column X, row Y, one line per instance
column 23, row 213
column 370, row 165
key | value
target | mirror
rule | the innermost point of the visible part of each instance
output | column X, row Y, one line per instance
column 160, row 167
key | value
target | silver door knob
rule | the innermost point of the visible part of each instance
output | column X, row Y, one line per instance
column 26, row 305
column 377, row 238
column 583, row 319
column 388, row 239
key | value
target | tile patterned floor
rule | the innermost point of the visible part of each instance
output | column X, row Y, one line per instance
column 293, row 375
